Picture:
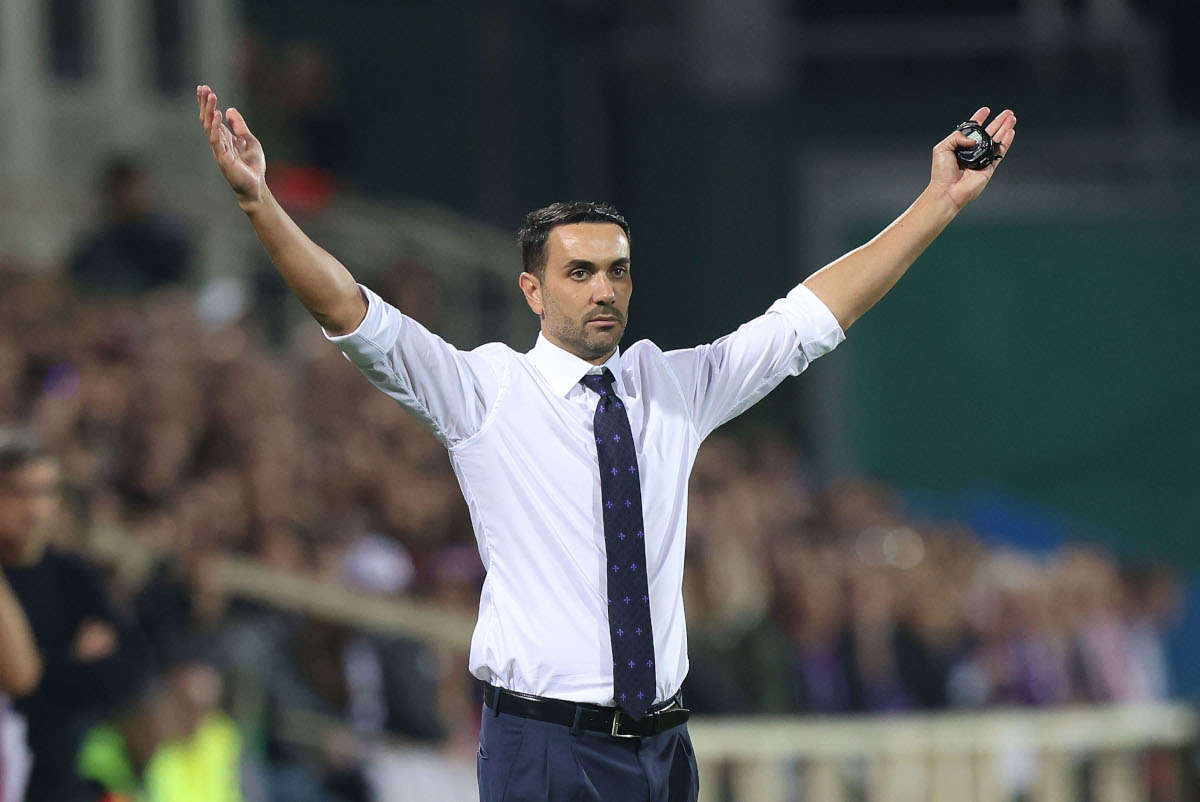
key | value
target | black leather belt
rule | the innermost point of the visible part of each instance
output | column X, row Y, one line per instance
column 587, row 717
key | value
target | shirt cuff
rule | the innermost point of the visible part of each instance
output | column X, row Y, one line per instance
column 816, row 326
column 374, row 336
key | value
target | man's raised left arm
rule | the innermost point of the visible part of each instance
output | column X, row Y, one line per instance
column 20, row 662
column 854, row 283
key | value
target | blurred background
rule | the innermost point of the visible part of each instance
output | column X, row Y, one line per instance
column 956, row 560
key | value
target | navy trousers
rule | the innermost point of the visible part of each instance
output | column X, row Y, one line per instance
column 526, row 760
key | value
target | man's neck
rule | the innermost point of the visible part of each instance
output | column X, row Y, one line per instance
column 23, row 556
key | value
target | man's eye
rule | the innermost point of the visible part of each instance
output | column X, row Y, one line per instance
column 579, row 274
column 620, row 271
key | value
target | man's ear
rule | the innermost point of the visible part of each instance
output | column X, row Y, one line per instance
column 532, row 288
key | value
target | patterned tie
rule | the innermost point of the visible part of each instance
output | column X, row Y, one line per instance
column 625, row 546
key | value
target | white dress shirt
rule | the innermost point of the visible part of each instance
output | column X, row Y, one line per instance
column 519, row 431
column 15, row 760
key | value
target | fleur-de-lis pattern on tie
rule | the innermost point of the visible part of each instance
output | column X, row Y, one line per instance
column 625, row 547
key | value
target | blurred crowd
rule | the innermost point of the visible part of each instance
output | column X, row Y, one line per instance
column 833, row 600
column 201, row 443
column 201, row 437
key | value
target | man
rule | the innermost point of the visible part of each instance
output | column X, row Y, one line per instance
column 91, row 659
column 20, row 671
column 137, row 248
column 574, row 460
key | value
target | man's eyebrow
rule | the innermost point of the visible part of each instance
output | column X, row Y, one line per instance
column 575, row 264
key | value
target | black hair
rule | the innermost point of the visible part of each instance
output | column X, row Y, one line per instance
column 536, row 228
column 118, row 173
column 20, row 446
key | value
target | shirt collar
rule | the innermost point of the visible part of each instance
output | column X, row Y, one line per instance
column 563, row 370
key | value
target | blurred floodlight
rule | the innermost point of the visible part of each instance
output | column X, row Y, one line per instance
column 899, row 547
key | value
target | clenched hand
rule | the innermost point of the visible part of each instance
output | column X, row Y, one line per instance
column 963, row 186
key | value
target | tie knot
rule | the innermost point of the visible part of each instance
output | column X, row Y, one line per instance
column 602, row 383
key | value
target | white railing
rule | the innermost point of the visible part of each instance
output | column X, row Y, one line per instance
column 998, row 756
column 287, row 590
column 1033, row 756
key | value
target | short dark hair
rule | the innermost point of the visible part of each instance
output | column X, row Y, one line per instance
column 20, row 446
column 536, row 228
column 118, row 173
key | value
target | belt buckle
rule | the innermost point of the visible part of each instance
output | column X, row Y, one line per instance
column 616, row 725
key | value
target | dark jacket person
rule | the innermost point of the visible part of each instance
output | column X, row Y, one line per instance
column 92, row 658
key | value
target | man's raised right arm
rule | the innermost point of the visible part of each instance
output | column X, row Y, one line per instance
column 448, row 390
column 316, row 278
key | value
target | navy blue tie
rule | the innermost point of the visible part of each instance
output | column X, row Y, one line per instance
column 625, row 546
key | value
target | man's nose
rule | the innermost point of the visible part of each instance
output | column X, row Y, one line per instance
column 602, row 290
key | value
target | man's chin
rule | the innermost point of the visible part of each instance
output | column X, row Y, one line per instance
column 591, row 342
column 603, row 343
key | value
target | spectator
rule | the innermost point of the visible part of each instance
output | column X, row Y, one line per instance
column 137, row 248
column 93, row 659
column 20, row 665
column 873, row 640
column 1153, row 604
column 1020, row 655
column 931, row 635
column 118, row 757
column 321, row 137
column 1092, row 594
column 811, row 589
column 172, row 745
column 20, row 672
column 739, row 653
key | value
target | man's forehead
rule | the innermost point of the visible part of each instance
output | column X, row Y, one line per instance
column 40, row 471
column 588, row 241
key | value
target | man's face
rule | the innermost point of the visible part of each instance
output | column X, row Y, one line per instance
column 584, row 299
column 28, row 498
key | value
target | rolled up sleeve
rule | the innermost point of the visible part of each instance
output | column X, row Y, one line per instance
column 448, row 390
column 375, row 335
column 725, row 378
column 816, row 327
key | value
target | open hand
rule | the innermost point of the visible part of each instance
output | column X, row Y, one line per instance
column 960, row 185
column 94, row 641
column 238, row 153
